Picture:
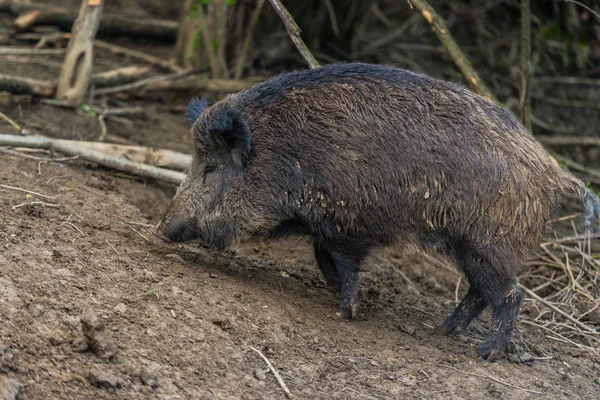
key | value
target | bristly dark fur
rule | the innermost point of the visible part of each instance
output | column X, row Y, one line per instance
column 360, row 156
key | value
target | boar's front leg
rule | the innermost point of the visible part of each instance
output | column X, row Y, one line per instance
column 341, row 264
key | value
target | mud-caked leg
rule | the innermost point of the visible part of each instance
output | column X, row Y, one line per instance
column 505, row 312
column 470, row 307
column 327, row 267
column 347, row 267
column 491, row 283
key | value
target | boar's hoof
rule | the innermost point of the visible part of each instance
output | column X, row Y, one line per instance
column 494, row 347
column 346, row 312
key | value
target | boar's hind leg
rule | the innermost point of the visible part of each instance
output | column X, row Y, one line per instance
column 505, row 312
column 489, row 284
column 327, row 267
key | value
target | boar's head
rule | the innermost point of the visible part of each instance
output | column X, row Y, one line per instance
column 207, row 204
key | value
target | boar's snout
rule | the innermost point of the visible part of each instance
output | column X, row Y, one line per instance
column 177, row 228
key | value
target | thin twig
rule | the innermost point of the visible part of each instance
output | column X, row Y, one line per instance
column 552, row 127
column 556, row 309
column 274, row 371
column 139, row 233
column 141, row 83
column 584, row 6
column 294, row 33
column 112, row 247
column 10, row 121
column 525, row 66
column 456, row 289
column 28, row 191
column 566, row 340
column 458, row 56
column 76, row 228
column 139, row 224
column 239, row 64
column 35, row 203
column 493, row 378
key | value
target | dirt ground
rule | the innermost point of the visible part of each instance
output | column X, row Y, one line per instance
column 183, row 319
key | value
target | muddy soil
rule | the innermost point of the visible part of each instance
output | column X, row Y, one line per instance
column 182, row 319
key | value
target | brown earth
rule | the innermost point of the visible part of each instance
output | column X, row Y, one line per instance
column 183, row 318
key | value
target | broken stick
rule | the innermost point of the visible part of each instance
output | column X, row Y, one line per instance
column 458, row 56
column 274, row 371
column 76, row 72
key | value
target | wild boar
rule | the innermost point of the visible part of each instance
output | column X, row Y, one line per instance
column 360, row 156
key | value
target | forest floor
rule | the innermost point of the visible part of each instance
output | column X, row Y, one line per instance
column 183, row 319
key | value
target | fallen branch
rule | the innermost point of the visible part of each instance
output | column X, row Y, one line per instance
column 111, row 24
column 568, row 103
column 553, row 128
column 294, row 33
column 460, row 59
column 568, row 140
column 141, row 83
column 118, row 50
column 568, row 80
column 120, row 76
column 21, row 85
column 593, row 174
column 274, row 371
column 112, row 48
column 73, row 149
column 201, row 84
column 40, row 88
column 11, row 50
column 13, row 6
column 142, row 154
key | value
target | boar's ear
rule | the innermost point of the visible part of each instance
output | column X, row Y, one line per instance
column 231, row 134
column 194, row 109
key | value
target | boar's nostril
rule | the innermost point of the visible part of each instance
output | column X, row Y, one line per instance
column 178, row 228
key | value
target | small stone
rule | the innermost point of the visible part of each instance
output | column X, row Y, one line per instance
column 260, row 374
column 315, row 340
column 7, row 360
column 57, row 338
column 97, row 336
column 35, row 309
column 64, row 272
column 148, row 377
column 408, row 329
column 9, row 388
column 121, row 308
column 176, row 291
column 103, row 379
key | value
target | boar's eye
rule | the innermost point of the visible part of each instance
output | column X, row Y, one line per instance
column 209, row 168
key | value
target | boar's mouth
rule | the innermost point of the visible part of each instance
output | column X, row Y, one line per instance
column 177, row 229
